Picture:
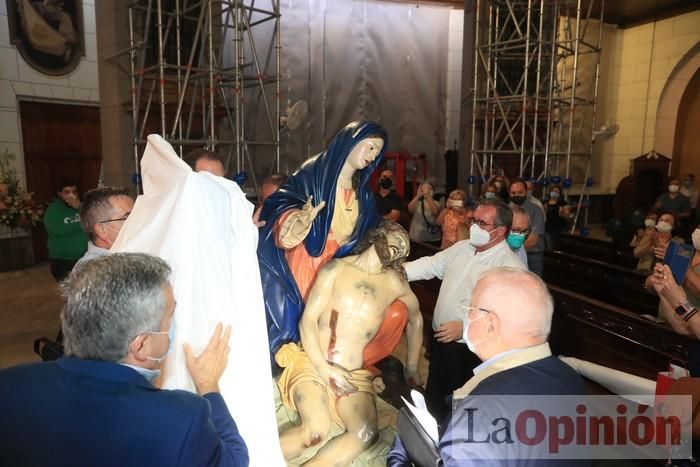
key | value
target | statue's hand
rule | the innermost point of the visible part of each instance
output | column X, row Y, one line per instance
column 378, row 384
column 338, row 380
column 309, row 212
column 297, row 226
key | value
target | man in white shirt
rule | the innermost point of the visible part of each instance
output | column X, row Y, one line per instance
column 102, row 216
column 460, row 267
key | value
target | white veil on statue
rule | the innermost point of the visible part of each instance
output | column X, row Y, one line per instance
column 201, row 225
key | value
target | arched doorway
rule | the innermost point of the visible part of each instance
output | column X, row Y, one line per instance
column 686, row 150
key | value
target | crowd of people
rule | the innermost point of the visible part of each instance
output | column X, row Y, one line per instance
column 489, row 334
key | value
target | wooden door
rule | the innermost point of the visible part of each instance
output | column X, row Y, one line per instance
column 61, row 143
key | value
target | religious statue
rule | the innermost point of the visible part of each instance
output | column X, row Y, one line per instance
column 324, row 379
column 321, row 212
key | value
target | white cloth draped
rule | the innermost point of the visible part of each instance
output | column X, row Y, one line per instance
column 201, row 225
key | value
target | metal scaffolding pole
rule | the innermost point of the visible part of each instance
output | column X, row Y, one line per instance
column 199, row 57
column 536, row 68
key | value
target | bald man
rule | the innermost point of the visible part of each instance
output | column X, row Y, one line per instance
column 203, row 160
column 508, row 323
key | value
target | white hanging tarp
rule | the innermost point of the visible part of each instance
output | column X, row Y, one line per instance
column 201, row 225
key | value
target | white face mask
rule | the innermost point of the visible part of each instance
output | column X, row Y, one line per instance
column 455, row 203
column 465, row 335
column 649, row 222
column 478, row 236
column 663, row 227
column 170, row 346
column 673, row 188
column 696, row 239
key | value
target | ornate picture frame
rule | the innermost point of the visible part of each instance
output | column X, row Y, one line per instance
column 48, row 33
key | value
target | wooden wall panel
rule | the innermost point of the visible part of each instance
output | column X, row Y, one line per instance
column 61, row 143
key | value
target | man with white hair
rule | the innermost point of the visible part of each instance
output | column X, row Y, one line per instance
column 97, row 405
column 508, row 323
column 102, row 215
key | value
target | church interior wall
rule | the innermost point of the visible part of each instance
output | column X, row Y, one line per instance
column 19, row 81
column 643, row 59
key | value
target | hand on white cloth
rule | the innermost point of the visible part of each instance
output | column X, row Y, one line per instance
column 207, row 368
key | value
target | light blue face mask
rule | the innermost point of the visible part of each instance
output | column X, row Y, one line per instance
column 516, row 240
column 170, row 346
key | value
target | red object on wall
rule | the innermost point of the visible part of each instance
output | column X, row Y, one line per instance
column 397, row 163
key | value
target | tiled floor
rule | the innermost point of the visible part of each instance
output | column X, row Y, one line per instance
column 29, row 308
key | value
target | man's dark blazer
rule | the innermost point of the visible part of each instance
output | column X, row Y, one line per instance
column 547, row 376
column 75, row 412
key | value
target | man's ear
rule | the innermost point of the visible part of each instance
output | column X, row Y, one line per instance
column 100, row 231
column 137, row 348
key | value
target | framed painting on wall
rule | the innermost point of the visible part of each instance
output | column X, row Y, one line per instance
column 47, row 33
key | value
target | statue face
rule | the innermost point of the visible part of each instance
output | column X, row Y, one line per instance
column 364, row 153
column 398, row 245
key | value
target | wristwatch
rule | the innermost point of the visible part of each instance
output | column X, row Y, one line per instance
column 686, row 311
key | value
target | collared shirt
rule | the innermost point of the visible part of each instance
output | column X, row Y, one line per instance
column 531, row 198
column 522, row 254
column 92, row 252
column 487, row 363
column 459, row 267
column 502, row 362
column 537, row 222
column 147, row 373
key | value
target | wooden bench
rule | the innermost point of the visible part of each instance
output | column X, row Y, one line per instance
column 592, row 330
column 606, row 282
column 600, row 250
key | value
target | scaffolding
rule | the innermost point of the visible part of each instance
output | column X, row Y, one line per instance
column 200, row 80
column 535, row 88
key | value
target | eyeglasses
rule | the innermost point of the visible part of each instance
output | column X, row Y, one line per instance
column 119, row 219
column 468, row 309
column 481, row 223
column 524, row 231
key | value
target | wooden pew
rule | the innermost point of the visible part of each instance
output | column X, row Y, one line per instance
column 589, row 329
column 600, row 250
column 606, row 282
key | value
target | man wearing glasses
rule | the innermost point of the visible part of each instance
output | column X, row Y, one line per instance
column 460, row 267
column 519, row 231
column 102, row 216
column 508, row 318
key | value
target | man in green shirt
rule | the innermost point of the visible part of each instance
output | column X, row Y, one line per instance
column 67, row 241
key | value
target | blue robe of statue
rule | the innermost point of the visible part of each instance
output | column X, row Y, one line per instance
column 318, row 176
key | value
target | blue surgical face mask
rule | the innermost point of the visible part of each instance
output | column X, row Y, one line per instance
column 516, row 240
column 554, row 194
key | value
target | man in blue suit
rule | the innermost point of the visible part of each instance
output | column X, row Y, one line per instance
column 97, row 406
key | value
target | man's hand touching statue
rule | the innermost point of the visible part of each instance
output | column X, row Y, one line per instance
column 297, row 226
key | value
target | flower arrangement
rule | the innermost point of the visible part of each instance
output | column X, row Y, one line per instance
column 17, row 209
